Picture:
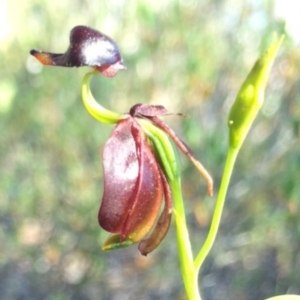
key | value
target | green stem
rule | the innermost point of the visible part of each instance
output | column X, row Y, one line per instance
column 93, row 107
column 170, row 164
column 230, row 161
column 243, row 111
column 189, row 273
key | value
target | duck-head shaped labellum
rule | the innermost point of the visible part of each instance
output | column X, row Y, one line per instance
column 88, row 47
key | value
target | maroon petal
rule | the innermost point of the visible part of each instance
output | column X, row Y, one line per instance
column 147, row 197
column 110, row 70
column 121, row 171
column 88, row 47
column 163, row 224
column 133, row 185
column 148, row 110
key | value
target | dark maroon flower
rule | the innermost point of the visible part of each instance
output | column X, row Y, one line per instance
column 135, row 182
column 134, row 187
column 139, row 162
column 88, row 47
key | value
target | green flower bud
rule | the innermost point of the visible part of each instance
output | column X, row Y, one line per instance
column 251, row 96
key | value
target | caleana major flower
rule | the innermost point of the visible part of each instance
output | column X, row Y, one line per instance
column 134, row 187
column 136, row 181
column 139, row 161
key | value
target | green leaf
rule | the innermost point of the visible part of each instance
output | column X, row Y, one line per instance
column 285, row 297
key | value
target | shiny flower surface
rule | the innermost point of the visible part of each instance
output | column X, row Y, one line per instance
column 136, row 180
column 134, row 187
column 139, row 160
column 88, row 47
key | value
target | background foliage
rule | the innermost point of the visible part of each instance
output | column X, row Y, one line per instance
column 190, row 56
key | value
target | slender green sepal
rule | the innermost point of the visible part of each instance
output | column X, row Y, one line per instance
column 165, row 149
column 114, row 242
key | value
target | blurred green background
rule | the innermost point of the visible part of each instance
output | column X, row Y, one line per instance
column 190, row 56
